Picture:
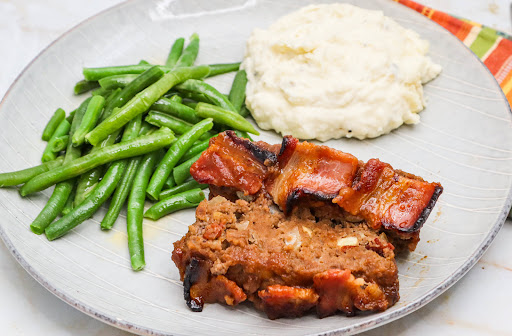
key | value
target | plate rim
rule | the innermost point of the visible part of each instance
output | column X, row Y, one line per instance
column 380, row 320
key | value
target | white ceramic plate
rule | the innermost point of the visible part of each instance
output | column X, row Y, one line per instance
column 464, row 141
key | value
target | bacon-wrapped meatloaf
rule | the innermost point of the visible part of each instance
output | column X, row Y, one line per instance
column 316, row 228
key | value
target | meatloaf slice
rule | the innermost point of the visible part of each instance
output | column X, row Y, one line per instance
column 285, row 265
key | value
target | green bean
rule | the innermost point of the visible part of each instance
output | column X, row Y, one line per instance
column 122, row 96
column 198, row 148
column 173, row 155
column 94, row 74
column 83, row 86
column 146, row 128
column 89, row 180
column 176, row 99
column 88, row 207
column 169, row 94
column 72, row 152
column 190, row 104
column 70, row 117
column 237, row 92
column 219, row 69
column 86, row 184
column 184, row 200
column 169, row 183
column 159, row 139
column 135, row 210
column 69, row 203
column 176, row 109
column 142, row 101
column 144, row 62
column 121, row 193
column 188, row 185
column 225, row 117
column 241, row 134
column 89, row 120
column 97, row 74
column 137, row 84
column 62, row 129
column 22, row 176
column 175, row 52
column 130, row 168
column 60, row 143
column 189, row 55
column 176, row 125
column 194, row 85
column 110, row 103
column 101, row 92
column 116, row 81
column 52, row 209
column 141, row 82
column 244, row 111
column 134, row 128
column 198, row 97
column 54, row 122
column 63, row 190
column 160, row 119
column 182, row 172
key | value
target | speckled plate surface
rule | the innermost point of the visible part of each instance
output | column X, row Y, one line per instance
column 464, row 141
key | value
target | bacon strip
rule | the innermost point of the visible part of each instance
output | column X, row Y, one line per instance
column 384, row 197
column 304, row 173
column 233, row 162
column 309, row 172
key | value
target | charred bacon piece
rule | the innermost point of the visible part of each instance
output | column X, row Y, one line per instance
column 192, row 275
column 314, row 175
column 234, row 162
column 200, row 286
column 309, row 172
column 389, row 198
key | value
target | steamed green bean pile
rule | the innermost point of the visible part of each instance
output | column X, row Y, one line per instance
column 132, row 140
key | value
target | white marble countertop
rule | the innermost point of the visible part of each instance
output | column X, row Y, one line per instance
column 479, row 304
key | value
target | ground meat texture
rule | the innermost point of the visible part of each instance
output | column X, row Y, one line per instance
column 285, row 265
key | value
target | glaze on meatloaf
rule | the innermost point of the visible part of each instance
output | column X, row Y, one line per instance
column 285, row 265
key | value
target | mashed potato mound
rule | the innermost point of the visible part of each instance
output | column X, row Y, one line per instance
column 331, row 71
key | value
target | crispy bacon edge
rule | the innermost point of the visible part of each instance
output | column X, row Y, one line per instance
column 422, row 218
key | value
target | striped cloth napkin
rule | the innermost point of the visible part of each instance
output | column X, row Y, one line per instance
column 493, row 47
